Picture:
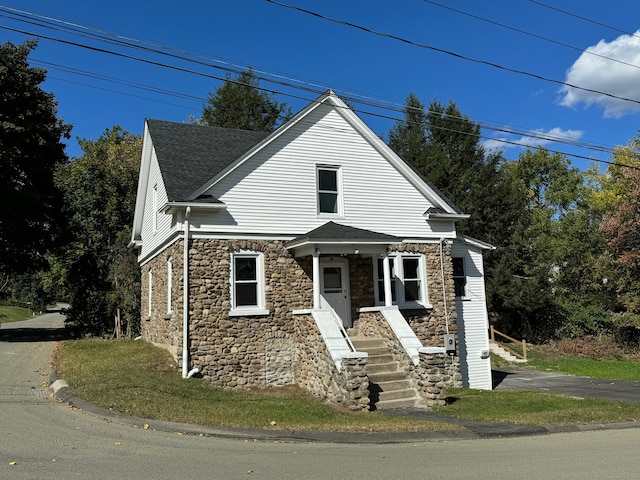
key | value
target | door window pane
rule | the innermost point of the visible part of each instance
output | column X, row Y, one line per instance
column 332, row 279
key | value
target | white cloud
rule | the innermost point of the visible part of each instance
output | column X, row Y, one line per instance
column 597, row 73
column 534, row 138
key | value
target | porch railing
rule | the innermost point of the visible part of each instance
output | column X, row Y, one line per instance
column 495, row 333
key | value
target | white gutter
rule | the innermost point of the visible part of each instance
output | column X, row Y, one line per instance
column 185, row 300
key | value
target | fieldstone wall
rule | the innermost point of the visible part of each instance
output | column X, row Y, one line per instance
column 247, row 351
column 435, row 374
column 280, row 348
column 317, row 373
column 163, row 327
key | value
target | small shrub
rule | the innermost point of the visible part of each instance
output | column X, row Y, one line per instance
column 626, row 330
column 583, row 318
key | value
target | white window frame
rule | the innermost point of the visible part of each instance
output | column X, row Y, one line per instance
column 154, row 206
column 339, row 200
column 150, row 292
column 169, row 284
column 248, row 310
column 463, row 277
column 397, row 273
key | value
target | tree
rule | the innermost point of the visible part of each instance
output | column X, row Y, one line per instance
column 31, row 149
column 96, row 267
column 239, row 103
column 621, row 197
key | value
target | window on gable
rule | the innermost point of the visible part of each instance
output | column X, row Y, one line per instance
column 247, row 284
column 408, row 280
column 459, row 277
column 329, row 195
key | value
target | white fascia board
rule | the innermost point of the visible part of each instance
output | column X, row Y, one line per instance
column 172, row 207
column 376, row 142
column 276, row 134
column 446, row 216
column 475, row 242
column 143, row 184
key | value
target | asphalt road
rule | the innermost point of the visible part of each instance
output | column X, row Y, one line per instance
column 48, row 440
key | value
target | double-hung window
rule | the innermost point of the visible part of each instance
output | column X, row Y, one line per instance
column 459, row 277
column 247, row 284
column 408, row 280
column 329, row 185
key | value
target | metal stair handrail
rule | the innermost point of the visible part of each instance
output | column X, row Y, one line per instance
column 523, row 342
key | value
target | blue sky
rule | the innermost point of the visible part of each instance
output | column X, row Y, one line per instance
column 306, row 54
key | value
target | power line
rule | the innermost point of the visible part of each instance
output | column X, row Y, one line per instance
column 369, row 101
column 533, row 35
column 595, row 22
column 450, row 53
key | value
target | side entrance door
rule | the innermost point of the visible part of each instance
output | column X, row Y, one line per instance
column 334, row 287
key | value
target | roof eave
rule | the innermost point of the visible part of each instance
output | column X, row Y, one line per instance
column 456, row 217
column 172, row 207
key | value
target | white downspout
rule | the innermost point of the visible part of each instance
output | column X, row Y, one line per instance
column 185, row 299
column 316, row 279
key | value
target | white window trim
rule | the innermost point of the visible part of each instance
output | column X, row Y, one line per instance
column 253, row 310
column 466, row 279
column 398, row 273
column 169, row 284
column 154, row 206
column 150, row 292
column 339, row 186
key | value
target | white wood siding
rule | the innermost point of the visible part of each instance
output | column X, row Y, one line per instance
column 473, row 321
column 150, row 239
column 275, row 191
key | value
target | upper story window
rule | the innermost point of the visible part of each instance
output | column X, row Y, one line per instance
column 329, row 190
column 247, row 284
column 408, row 280
column 459, row 277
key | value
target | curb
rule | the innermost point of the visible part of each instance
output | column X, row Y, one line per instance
column 470, row 429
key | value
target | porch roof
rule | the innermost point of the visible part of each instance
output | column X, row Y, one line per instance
column 334, row 238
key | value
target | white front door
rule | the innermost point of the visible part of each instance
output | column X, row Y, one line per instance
column 334, row 287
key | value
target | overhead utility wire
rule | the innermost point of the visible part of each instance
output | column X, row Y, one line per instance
column 358, row 99
column 565, row 12
column 529, row 134
column 277, row 92
column 534, row 35
column 448, row 52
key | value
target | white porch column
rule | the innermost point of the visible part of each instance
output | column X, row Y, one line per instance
column 388, row 298
column 316, row 279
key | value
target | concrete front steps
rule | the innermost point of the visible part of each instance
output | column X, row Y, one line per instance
column 389, row 386
column 502, row 353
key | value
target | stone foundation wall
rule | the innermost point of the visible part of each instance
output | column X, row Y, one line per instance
column 434, row 376
column 317, row 373
column 279, row 348
column 161, row 327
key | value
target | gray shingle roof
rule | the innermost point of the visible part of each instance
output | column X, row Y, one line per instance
column 335, row 231
column 190, row 154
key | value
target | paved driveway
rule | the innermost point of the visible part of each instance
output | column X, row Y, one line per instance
column 524, row 379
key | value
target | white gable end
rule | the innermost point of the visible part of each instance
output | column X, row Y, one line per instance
column 275, row 190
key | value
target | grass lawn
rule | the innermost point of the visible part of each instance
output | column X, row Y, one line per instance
column 535, row 408
column 14, row 314
column 136, row 378
column 551, row 360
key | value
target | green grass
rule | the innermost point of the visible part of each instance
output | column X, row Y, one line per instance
column 139, row 379
column 551, row 361
column 142, row 380
column 14, row 314
column 535, row 408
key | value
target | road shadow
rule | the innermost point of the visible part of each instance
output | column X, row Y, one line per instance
column 497, row 377
column 36, row 334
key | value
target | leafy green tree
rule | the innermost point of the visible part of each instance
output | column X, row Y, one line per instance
column 239, row 103
column 31, row 148
column 98, row 270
